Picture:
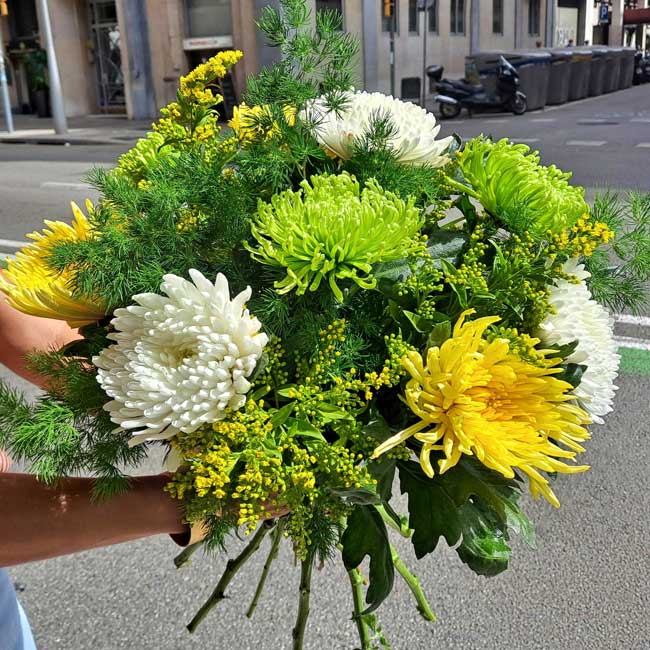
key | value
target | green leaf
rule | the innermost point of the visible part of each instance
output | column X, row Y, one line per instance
column 439, row 334
column 377, row 426
column 470, row 503
column 572, row 373
column 383, row 471
column 356, row 496
column 330, row 412
column 432, row 512
column 282, row 415
column 421, row 324
column 445, row 245
column 304, row 429
column 366, row 534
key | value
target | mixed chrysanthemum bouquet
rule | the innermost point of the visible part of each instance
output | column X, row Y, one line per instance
column 320, row 305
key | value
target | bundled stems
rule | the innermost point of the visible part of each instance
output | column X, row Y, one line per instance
column 306, row 568
column 232, row 567
column 414, row 585
column 186, row 554
column 356, row 582
column 273, row 554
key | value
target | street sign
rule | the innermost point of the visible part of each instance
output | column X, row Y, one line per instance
column 603, row 13
column 207, row 42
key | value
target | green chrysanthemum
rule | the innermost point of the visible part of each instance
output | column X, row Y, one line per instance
column 331, row 229
column 511, row 184
column 136, row 163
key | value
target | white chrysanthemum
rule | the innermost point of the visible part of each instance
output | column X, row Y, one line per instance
column 180, row 359
column 579, row 317
column 416, row 129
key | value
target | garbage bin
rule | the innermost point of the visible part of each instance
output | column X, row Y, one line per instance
column 613, row 69
column 627, row 67
column 482, row 68
column 580, row 73
column 597, row 75
column 534, row 68
column 559, row 77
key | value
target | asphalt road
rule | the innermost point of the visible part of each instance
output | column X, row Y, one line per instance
column 584, row 588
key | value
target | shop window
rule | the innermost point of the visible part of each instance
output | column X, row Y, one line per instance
column 457, row 13
column 534, row 10
column 208, row 18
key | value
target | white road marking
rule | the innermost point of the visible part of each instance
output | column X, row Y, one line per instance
column 585, row 143
column 66, row 185
column 630, row 342
column 644, row 145
column 525, row 140
column 490, row 120
column 11, row 243
column 641, row 120
column 630, row 319
column 543, row 120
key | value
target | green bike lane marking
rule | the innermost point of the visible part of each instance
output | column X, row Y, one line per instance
column 634, row 361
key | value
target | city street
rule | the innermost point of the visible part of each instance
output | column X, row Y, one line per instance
column 583, row 588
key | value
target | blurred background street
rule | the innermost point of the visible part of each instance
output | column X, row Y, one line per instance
column 584, row 588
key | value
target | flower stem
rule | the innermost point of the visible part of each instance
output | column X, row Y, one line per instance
column 356, row 582
column 273, row 553
column 306, row 568
column 414, row 585
column 186, row 554
column 232, row 567
column 403, row 530
column 462, row 189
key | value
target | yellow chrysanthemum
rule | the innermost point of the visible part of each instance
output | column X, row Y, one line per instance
column 479, row 398
column 35, row 289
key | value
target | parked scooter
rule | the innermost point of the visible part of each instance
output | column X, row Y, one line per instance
column 453, row 96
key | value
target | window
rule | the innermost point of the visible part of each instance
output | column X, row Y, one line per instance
column 497, row 16
column 533, row 17
column 433, row 17
column 414, row 15
column 389, row 13
column 457, row 11
column 336, row 5
column 208, row 18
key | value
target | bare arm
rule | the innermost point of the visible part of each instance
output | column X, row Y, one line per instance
column 21, row 334
column 39, row 522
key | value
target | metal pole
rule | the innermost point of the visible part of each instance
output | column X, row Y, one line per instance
column 425, row 13
column 393, row 20
column 56, row 94
column 6, row 104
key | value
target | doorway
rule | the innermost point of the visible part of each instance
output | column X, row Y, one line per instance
column 106, row 42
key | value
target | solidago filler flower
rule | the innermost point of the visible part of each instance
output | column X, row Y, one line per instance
column 34, row 288
column 511, row 184
column 479, row 398
column 254, row 123
column 576, row 316
column 415, row 129
column 180, row 360
column 332, row 230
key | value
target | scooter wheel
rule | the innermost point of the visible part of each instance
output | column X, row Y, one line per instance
column 519, row 105
column 449, row 111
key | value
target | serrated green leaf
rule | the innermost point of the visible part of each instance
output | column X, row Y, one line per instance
column 468, row 502
column 445, row 245
column 366, row 534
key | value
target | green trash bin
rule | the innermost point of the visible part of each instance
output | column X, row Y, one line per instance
column 559, row 77
column 613, row 69
column 627, row 68
column 597, row 75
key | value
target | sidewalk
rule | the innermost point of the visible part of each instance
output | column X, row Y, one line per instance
column 89, row 130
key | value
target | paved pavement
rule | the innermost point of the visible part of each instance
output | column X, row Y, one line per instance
column 585, row 588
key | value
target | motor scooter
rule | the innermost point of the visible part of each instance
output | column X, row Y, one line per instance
column 641, row 68
column 453, row 96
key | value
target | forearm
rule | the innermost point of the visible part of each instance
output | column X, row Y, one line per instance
column 39, row 522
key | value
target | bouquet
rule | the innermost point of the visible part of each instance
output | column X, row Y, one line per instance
column 319, row 305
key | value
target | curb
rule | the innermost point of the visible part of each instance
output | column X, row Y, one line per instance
column 66, row 141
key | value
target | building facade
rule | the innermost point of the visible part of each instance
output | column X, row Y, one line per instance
column 126, row 56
